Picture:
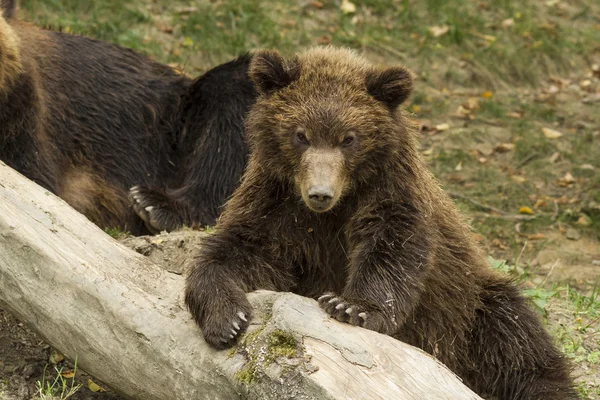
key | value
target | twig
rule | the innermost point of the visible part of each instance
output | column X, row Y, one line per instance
column 509, row 217
column 527, row 159
column 389, row 49
column 521, row 253
column 555, row 215
column 549, row 273
column 477, row 204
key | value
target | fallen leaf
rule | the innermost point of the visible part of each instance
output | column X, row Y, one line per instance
column 485, row 149
column 482, row 160
column 518, row 178
column 68, row 374
column 504, row 147
column 415, row 108
column 186, row 10
column 427, row 152
column 188, row 42
column 551, row 133
column 586, row 83
column 525, row 210
column 443, row 127
column 507, row 23
column 347, row 7
column 56, row 357
column 94, row 387
column 554, row 157
column 487, row 94
column 515, row 114
column 317, row 4
column 584, row 220
column 536, row 236
column 459, row 166
column 596, row 70
column 587, row 166
column 540, row 203
column 472, row 103
column 325, row 39
column 438, row 31
column 568, row 178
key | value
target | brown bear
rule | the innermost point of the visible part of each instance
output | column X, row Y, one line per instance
column 337, row 204
column 88, row 120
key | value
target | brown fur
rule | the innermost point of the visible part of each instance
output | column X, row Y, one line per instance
column 387, row 250
column 89, row 120
column 10, row 57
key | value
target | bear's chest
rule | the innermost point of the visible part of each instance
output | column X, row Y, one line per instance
column 318, row 252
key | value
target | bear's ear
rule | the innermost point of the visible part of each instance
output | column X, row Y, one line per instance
column 391, row 86
column 270, row 72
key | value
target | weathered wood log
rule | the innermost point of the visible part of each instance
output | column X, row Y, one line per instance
column 122, row 316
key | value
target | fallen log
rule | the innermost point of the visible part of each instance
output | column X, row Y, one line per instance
column 122, row 316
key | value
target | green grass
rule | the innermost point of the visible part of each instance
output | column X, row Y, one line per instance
column 538, row 42
column 59, row 388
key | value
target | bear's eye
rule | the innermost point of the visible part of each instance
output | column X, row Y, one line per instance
column 301, row 138
column 348, row 141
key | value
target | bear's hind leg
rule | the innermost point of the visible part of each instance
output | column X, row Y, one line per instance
column 513, row 356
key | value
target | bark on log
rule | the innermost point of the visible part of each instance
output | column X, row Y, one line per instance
column 123, row 317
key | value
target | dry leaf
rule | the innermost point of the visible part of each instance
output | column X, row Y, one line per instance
column 68, row 374
column 568, row 178
column 56, row 357
column 587, row 166
column 438, row 31
column 472, row 103
column 415, row 108
column 507, row 23
column 515, row 114
column 427, row 152
column 325, row 39
column 518, row 178
column 459, row 166
column 347, row 7
column 486, row 95
column 536, row 236
column 317, row 4
column 482, row 160
column 504, row 147
column 551, row 133
column 540, row 203
column 554, row 157
column 443, row 127
column 525, row 210
column 584, row 220
column 94, row 387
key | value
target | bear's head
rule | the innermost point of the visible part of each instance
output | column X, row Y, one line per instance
column 326, row 121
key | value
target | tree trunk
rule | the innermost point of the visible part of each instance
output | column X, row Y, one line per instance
column 123, row 317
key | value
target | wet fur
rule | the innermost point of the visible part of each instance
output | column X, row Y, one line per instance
column 88, row 120
column 393, row 255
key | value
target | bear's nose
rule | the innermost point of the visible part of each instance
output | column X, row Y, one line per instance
column 320, row 195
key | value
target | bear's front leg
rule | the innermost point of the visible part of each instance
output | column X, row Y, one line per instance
column 388, row 259
column 231, row 262
column 218, row 304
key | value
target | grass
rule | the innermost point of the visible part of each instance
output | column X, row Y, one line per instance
column 59, row 388
column 479, row 48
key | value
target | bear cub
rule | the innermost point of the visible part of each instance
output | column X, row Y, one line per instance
column 337, row 204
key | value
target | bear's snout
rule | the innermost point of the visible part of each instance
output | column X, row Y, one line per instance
column 320, row 197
